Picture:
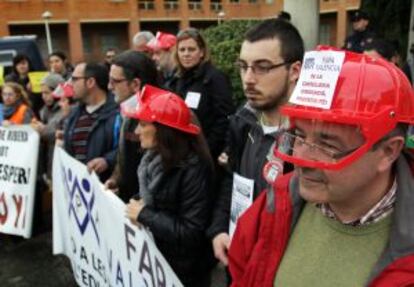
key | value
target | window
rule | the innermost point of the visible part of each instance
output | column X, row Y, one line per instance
column 216, row 6
column 171, row 5
column 194, row 5
column 146, row 5
column 325, row 34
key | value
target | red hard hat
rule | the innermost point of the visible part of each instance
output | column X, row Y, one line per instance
column 63, row 90
column 164, row 107
column 372, row 94
column 162, row 41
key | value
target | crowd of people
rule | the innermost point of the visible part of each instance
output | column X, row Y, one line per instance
column 159, row 127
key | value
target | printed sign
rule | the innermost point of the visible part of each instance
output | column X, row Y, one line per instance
column 35, row 79
column 318, row 78
column 18, row 167
column 193, row 100
column 241, row 199
column 90, row 227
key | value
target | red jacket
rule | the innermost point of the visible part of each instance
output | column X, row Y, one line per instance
column 263, row 232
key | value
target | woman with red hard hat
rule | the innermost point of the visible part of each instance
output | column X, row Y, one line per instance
column 175, row 176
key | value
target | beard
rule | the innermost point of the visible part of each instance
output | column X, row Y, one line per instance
column 271, row 101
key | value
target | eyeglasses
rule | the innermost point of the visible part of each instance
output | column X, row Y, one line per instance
column 74, row 78
column 8, row 95
column 114, row 81
column 258, row 69
column 289, row 142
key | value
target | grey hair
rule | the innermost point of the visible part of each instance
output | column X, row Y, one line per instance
column 143, row 35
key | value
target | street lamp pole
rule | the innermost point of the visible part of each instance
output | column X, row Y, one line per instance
column 46, row 16
column 220, row 17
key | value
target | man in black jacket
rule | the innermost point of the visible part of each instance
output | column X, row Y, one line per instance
column 91, row 132
column 269, row 63
column 130, row 71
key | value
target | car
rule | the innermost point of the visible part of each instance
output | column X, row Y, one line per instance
column 12, row 45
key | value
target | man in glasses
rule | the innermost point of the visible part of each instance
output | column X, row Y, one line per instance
column 344, row 217
column 130, row 71
column 269, row 64
column 91, row 132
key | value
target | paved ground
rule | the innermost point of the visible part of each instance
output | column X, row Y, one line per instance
column 30, row 263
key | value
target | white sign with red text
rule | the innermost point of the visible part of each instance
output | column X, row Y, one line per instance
column 19, row 149
column 318, row 78
column 90, row 227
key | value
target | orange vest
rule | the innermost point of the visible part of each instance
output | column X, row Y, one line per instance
column 18, row 117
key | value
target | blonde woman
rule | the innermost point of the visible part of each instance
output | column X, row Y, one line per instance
column 16, row 106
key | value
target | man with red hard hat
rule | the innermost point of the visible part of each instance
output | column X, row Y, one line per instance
column 162, row 47
column 344, row 217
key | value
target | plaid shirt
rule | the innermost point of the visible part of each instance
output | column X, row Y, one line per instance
column 383, row 208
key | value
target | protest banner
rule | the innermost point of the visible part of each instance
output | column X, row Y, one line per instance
column 35, row 79
column 90, row 227
column 19, row 146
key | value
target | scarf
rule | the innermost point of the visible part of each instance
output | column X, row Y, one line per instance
column 150, row 172
column 8, row 111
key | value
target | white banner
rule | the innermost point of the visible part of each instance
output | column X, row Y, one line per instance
column 90, row 227
column 19, row 149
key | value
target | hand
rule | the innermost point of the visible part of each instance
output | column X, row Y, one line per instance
column 111, row 185
column 6, row 123
column 59, row 135
column 97, row 165
column 38, row 126
column 221, row 244
column 134, row 208
column 223, row 159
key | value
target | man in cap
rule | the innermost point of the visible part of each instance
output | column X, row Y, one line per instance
column 344, row 217
column 162, row 47
column 361, row 34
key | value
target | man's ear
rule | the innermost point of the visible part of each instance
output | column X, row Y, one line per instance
column 135, row 85
column 294, row 71
column 390, row 151
column 90, row 83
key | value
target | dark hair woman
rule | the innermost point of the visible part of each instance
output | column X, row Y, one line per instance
column 16, row 104
column 206, row 90
column 175, row 176
column 58, row 63
column 20, row 71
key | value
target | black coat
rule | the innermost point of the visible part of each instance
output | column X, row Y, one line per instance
column 247, row 149
column 103, row 138
column 179, row 217
column 216, row 102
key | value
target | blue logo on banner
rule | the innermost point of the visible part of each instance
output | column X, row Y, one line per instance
column 309, row 63
column 82, row 200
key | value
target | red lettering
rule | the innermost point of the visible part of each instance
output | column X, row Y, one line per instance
column 18, row 201
column 3, row 209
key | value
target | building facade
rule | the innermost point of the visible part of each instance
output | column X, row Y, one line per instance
column 85, row 29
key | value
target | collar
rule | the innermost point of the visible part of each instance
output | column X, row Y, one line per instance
column 93, row 108
column 380, row 210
